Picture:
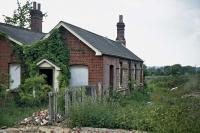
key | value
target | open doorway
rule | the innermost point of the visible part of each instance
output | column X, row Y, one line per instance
column 49, row 75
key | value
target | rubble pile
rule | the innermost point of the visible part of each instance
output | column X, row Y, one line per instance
column 38, row 118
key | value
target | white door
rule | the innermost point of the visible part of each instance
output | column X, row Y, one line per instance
column 79, row 75
column 15, row 78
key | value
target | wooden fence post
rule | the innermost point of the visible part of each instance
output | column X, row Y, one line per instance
column 67, row 98
column 55, row 106
column 50, row 107
column 73, row 96
column 82, row 94
column 100, row 91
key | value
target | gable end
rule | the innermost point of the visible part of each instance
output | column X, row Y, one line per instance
column 97, row 52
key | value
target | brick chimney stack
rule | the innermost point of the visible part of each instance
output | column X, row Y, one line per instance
column 120, row 30
column 36, row 17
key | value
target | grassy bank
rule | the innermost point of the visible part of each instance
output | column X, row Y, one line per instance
column 11, row 113
column 157, row 109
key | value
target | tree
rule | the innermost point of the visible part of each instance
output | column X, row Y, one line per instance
column 176, row 69
column 167, row 70
column 145, row 70
column 189, row 70
column 21, row 16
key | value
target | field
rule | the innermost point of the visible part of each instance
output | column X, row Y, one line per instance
column 169, row 104
column 166, row 105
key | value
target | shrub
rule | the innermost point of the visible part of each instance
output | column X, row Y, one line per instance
column 170, row 81
column 168, row 113
column 10, row 113
column 97, row 114
column 3, row 82
column 34, row 91
column 3, row 87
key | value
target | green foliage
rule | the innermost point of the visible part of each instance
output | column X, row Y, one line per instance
column 155, row 109
column 54, row 49
column 3, row 87
column 34, row 91
column 170, row 81
column 61, row 103
column 175, row 69
column 21, row 59
column 21, row 16
column 11, row 114
column 92, row 114
column 145, row 70
column 173, row 119
column 3, row 35
column 3, row 82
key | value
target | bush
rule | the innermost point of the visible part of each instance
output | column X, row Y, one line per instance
column 168, row 113
column 99, row 114
column 34, row 91
column 3, row 82
column 108, row 115
column 170, row 81
column 3, row 87
column 10, row 113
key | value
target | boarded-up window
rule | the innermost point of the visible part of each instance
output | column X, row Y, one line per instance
column 79, row 75
column 15, row 75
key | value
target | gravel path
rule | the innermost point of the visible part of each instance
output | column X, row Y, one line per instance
column 55, row 129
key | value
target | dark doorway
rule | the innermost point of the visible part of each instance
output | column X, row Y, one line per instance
column 111, row 76
column 49, row 75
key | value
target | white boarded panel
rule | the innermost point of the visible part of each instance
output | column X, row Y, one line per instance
column 79, row 75
column 15, row 75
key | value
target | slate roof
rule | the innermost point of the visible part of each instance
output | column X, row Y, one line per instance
column 22, row 35
column 104, row 45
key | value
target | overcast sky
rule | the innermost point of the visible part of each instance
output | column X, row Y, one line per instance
column 161, row 32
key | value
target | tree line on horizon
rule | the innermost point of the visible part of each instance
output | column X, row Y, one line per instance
column 175, row 69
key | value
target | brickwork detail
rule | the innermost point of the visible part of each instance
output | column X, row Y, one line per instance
column 80, row 54
column 6, row 55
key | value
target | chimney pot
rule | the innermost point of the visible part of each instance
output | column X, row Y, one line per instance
column 39, row 6
column 34, row 5
column 121, row 18
column 36, row 18
column 120, row 31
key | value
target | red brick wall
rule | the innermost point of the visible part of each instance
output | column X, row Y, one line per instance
column 107, row 61
column 6, row 55
column 80, row 54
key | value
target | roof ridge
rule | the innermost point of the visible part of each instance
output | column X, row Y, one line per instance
column 22, row 28
column 119, row 47
column 91, row 32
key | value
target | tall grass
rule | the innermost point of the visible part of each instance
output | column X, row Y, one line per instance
column 11, row 113
column 156, row 109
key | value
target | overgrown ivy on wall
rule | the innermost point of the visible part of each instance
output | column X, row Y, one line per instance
column 53, row 49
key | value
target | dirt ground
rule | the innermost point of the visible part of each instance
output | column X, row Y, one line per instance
column 56, row 129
